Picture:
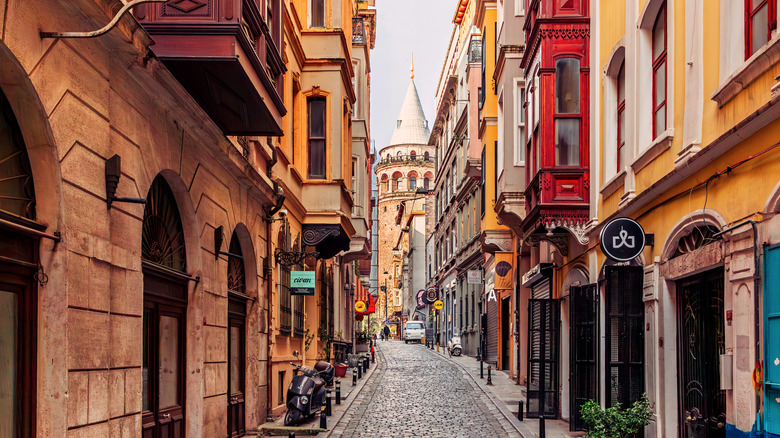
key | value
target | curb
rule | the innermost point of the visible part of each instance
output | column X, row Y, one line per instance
column 520, row 427
column 336, row 417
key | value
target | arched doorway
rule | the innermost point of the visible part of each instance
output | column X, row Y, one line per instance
column 237, row 304
column 164, row 317
column 18, row 292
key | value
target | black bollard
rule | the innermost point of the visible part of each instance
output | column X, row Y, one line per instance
column 372, row 356
column 292, row 435
column 328, row 408
column 354, row 376
column 365, row 364
column 338, row 392
column 520, row 410
column 323, row 419
column 541, row 426
column 360, row 371
column 490, row 379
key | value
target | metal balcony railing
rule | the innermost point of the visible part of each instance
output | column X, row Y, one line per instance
column 405, row 159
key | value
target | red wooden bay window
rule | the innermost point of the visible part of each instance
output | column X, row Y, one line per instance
column 760, row 20
column 659, row 73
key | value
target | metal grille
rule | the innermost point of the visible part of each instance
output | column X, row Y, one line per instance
column 285, row 299
column 584, row 349
column 17, row 194
column 543, row 326
column 701, row 339
column 625, row 382
column 162, row 239
column 298, row 300
column 236, row 275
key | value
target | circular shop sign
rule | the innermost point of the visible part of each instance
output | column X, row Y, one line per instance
column 360, row 306
column 438, row 305
column 622, row 239
column 431, row 295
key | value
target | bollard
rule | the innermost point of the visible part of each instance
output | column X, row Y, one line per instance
column 372, row 356
column 323, row 419
column 360, row 371
column 520, row 410
column 338, row 392
column 328, row 407
column 292, row 435
column 354, row 376
column 541, row 426
column 367, row 365
column 489, row 380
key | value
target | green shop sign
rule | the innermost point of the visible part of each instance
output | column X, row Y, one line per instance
column 302, row 282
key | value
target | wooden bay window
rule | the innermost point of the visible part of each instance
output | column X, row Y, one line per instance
column 568, row 115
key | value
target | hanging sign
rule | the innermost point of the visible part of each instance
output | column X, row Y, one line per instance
column 431, row 295
column 474, row 276
column 420, row 302
column 622, row 239
column 302, row 282
column 505, row 272
column 360, row 306
column 438, row 305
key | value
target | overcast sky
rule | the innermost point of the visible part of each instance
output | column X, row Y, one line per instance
column 403, row 27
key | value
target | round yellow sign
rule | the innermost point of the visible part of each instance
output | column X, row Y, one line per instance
column 360, row 306
column 438, row 304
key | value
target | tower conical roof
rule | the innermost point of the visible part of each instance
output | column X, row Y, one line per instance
column 411, row 126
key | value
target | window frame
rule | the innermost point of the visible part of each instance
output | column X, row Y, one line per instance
column 578, row 116
column 656, row 64
column 621, row 107
column 309, row 138
column 750, row 11
column 312, row 24
column 520, row 123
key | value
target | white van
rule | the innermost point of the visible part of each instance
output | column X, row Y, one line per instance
column 414, row 331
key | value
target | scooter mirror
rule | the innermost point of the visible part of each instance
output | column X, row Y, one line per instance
column 295, row 353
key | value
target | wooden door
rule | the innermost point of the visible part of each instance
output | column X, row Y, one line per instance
column 236, row 367
column 164, row 353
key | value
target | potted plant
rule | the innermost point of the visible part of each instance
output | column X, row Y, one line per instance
column 615, row 422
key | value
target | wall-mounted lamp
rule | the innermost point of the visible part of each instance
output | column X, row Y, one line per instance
column 113, row 173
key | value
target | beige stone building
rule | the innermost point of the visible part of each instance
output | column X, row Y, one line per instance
column 405, row 165
column 141, row 176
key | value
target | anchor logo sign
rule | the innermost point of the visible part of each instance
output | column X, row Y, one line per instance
column 624, row 240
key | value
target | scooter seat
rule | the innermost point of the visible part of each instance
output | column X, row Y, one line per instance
column 318, row 383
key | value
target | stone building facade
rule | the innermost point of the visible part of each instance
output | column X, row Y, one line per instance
column 138, row 216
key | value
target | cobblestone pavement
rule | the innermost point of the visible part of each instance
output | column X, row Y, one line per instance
column 417, row 393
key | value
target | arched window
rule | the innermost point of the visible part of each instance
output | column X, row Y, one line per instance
column 412, row 183
column 164, row 311
column 621, row 117
column 412, row 155
column 399, row 154
column 426, row 156
column 659, row 73
column 426, row 183
column 398, row 182
column 16, row 182
column 567, row 112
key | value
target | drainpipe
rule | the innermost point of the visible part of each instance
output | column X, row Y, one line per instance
column 268, row 271
column 756, row 281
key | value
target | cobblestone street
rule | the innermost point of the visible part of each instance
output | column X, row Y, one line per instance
column 414, row 393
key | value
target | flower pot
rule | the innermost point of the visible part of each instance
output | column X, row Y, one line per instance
column 341, row 370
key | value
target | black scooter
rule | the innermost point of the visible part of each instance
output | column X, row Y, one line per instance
column 306, row 393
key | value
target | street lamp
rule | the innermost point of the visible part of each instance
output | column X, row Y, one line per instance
column 384, row 289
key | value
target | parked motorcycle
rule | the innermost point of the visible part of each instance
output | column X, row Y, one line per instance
column 454, row 347
column 306, row 393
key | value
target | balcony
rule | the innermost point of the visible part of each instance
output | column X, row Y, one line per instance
column 225, row 56
column 557, row 198
column 406, row 160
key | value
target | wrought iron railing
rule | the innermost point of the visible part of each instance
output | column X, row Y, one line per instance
column 405, row 159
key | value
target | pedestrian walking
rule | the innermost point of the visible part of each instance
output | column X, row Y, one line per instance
column 387, row 333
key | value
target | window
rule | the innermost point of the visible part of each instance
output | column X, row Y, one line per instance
column 426, row 156
column 237, row 302
column 398, row 183
column 759, row 22
column 659, row 73
column 567, row 112
column 285, row 299
column 412, row 183
column 482, row 182
column 621, row 117
column 520, row 129
column 413, row 155
column 316, row 137
column 426, row 183
column 317, row 13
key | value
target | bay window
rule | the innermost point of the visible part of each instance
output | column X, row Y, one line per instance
column 317, row 149
column 567, row 112
column 659, row 73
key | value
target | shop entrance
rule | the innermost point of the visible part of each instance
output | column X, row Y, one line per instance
column 543, row 324
column 701, row 341
column 505, row 337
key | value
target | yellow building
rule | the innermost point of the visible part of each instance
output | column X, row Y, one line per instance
column 684, row 129
column 322, row 169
